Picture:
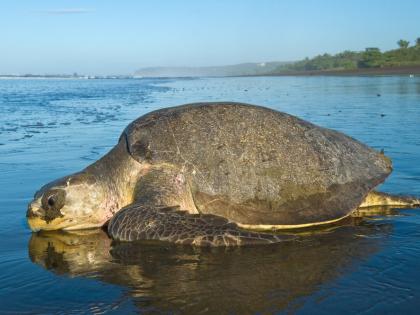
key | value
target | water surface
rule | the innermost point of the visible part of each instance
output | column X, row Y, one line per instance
column 50, row 128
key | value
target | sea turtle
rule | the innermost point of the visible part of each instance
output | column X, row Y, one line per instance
column 208, row 173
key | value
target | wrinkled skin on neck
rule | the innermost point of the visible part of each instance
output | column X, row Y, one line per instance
column 89, row 198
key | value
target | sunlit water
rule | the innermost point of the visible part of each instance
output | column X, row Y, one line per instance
column 50, row 128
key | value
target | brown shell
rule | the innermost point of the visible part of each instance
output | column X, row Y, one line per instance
column 255, row 165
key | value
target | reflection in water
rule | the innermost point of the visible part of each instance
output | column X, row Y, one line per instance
column 168, row 278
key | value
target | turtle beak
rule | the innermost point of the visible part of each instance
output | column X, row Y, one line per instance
column 36, row 218
column 34, row 210
column 34, row 215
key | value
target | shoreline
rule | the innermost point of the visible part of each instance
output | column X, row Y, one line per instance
column 406, row 70
column 389, row 71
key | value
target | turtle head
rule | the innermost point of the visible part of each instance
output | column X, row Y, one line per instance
column 77, row 201
column 89, row 198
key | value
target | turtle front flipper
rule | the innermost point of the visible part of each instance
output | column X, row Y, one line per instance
column 157, row 214
column 138, row 222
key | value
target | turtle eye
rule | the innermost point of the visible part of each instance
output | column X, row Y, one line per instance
column 51, row 201
column 54, row 199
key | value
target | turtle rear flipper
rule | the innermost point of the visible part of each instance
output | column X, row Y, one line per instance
column 376, row 198
column 138, row 222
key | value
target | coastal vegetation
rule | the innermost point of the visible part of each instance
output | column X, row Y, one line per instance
column 371, row 58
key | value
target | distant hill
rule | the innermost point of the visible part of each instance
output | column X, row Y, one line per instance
column 230, row 70
column 403, row 60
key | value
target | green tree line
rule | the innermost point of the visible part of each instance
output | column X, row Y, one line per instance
column 371, row 57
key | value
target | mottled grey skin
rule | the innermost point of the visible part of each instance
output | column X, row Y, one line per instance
column 198, row 171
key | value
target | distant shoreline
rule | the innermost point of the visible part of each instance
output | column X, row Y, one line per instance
column 388, row 71
column 63, row 77
column 406, row 70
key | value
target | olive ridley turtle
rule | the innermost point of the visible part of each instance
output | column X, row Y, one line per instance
column 217, row 174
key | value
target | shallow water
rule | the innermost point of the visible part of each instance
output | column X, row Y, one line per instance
column 50, row 128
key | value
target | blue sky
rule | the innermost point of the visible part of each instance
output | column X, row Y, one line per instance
column 104, row 36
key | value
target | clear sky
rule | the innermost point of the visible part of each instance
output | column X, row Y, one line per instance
column 117, row 37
